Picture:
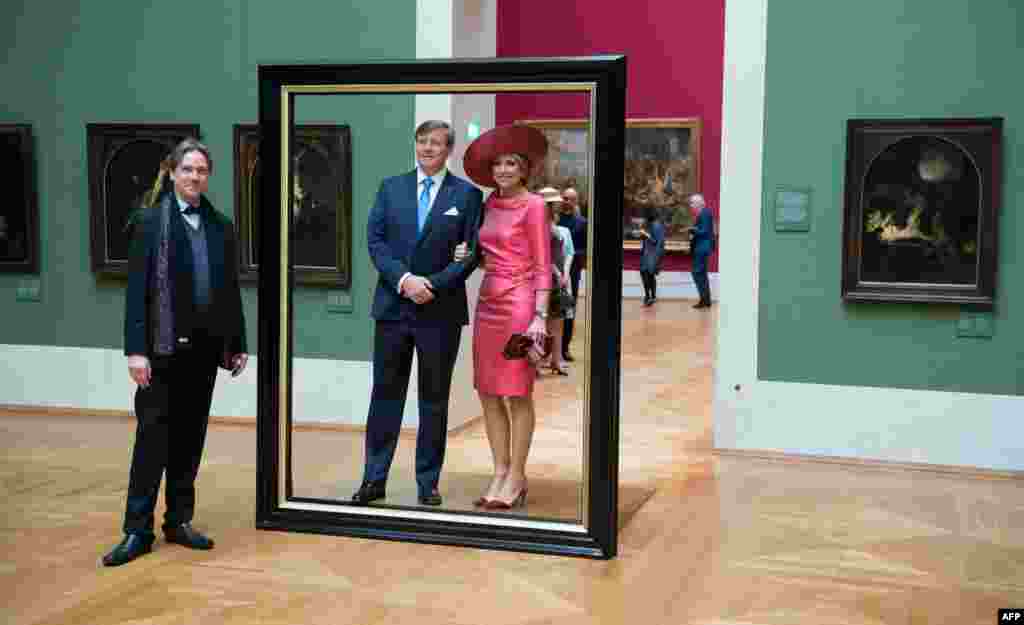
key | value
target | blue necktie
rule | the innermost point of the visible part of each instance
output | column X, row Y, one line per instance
column 424, row 208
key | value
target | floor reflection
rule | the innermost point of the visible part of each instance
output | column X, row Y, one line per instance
column 721, row 540
column 555, row 467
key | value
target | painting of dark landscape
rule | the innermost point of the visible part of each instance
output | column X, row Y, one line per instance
column 921, row 214
column 921, row 210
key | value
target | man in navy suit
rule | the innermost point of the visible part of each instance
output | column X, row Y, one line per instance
column 702, row 244
column 414, row 226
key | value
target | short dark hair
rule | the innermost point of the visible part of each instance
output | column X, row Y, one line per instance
column 191, row 144
column 436, row 124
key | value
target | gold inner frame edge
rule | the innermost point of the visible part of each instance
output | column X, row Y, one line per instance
column 414, row 88
column 284, row 433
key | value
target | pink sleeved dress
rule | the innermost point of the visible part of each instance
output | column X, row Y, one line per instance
column 515, row 239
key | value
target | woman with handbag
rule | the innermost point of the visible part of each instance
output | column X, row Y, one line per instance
column 561, row 302
column 651, row 252
column 509, row 326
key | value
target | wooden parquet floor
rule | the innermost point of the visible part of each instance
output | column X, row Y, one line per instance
column 710, row 540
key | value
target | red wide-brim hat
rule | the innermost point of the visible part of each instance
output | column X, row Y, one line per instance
column 480, row 154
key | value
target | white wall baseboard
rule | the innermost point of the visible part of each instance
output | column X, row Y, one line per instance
column 325, row 391
column 671, row 285
column 888, row 424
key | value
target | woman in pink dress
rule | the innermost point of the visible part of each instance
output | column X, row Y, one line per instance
column 515, row 243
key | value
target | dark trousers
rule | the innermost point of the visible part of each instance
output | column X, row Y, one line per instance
column 650, row 281
column 575, row 269
column 172, row 414
column 437, row 346
column 700, row 277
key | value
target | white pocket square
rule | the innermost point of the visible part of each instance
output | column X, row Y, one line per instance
column 452, row 211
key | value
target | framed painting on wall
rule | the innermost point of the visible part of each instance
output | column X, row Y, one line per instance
column 19, row 213
column 661, row 170
column 922, row 206
column 124, row 160
column 321, row 229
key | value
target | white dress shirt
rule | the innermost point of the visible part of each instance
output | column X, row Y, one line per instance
column 193, row 219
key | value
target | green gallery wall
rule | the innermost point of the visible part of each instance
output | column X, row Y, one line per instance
column 67, row 63
column 827, row 62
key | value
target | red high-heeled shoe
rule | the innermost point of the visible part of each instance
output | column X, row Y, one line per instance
column 517, row 501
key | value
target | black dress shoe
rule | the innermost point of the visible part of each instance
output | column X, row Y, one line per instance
column 702, row 304
column 133, row 546
column 185, row 535
column 369, row 491
column 433, row 498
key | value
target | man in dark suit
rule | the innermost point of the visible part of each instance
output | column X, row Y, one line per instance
column 651, row 252
column 702, row 244
column 183, row 318
column 415, row 224
column 577, row 226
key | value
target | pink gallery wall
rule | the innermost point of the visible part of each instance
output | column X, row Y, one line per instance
column 674, row 65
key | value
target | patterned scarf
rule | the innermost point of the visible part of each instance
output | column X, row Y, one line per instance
column 161, row 313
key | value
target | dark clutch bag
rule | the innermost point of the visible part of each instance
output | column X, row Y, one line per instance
column 519, row 345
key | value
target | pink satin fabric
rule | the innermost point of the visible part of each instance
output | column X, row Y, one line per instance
column 515, row 239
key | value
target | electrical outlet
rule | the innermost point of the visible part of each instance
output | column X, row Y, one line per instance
column 28, row 291
column 978, row 325
column 983, row 325
column 339, row 302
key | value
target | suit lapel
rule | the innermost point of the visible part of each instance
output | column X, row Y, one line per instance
column 406, row 216
column 214, row 247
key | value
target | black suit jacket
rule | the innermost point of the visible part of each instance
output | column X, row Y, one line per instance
column 395, row 248
column 224, row 322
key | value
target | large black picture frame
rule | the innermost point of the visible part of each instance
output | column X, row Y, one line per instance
column 604, row 78
column 124, row 159
column 334, row 141
column 19, row 239
column 921, row 220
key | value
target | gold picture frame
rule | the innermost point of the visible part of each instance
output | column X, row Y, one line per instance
column 662, row 168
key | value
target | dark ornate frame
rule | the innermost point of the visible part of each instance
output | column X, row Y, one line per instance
column 339, row 140
column 596, row 536
column 104, row 141
column 30, row 208
column 981, row 140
